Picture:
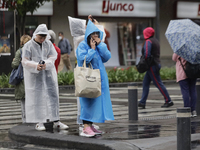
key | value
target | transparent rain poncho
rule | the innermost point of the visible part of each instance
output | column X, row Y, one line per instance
column 41, row 87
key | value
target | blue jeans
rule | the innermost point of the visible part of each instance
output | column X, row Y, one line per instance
column 153, row 75
column 188, row 90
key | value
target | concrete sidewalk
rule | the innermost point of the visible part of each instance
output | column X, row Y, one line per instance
column 155, row 129
column 118, row 135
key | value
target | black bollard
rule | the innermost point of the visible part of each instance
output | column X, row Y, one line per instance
column 132, row 101
column 183, row 128
column 198, row 97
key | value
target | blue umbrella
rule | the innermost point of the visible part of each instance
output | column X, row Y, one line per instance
column 184, row 38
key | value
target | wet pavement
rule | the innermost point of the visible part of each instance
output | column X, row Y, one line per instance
column 155, row 129
column 123, row 131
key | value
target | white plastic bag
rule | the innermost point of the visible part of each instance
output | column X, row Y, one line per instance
column 77, row 26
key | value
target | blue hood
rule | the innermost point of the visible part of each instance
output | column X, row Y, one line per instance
column 90, row 29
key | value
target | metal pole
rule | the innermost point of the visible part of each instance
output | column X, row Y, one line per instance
column 198, row 97
column 132, row 101
column 183, row 128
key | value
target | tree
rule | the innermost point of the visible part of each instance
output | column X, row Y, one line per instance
column 22, row 7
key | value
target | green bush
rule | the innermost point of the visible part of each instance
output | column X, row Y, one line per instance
column 4, row 81
column 66, row 78
column 115, row 75
column 131, row 74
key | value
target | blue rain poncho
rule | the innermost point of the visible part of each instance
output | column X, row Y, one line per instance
column 41, row 87
column 95, row 109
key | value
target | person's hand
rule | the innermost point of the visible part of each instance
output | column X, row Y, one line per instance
column 92, row 43
column 41, row 67
column 93, row 20
column 67, row 55
column 44, row 66
column 97, row 40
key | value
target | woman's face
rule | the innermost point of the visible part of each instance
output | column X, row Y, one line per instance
column 95, row 35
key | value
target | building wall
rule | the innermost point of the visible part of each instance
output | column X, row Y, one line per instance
column 167, row 13
column 63, row 9
column 59, row 21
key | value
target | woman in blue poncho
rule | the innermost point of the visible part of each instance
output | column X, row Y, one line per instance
column 95, row 109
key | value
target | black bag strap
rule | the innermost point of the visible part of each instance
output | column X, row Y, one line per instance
column 181, row 63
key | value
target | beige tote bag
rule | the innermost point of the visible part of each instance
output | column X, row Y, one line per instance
column 87, row 81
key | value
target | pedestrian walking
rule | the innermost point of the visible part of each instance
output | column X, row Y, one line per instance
column 19, row 89
column 52, row 39
column 152, row 48
column 40, row 78
column 94, row 109
column 66, row 49
column 187, row 85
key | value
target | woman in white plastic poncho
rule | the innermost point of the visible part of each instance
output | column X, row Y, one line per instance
column 41, row 86
column 95, row 109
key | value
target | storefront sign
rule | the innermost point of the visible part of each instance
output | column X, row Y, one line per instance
column 117, row 8
column 188, row 9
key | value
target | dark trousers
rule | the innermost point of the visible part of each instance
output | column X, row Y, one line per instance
column 153, row 75
column 87, row 122
column 188, row 90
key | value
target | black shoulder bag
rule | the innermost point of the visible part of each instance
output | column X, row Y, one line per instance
column 144, row 64
column 191, row 70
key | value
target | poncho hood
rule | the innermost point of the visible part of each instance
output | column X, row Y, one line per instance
column 92, row 28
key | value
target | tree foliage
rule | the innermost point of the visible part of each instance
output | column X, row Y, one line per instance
column 22, row 7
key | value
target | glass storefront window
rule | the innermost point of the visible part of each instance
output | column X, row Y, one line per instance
column 31, row 25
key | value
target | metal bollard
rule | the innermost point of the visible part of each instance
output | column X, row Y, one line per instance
column 198, row 97
column 132, row 101
column 183, row 128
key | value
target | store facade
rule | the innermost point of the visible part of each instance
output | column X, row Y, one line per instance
column 124, row 21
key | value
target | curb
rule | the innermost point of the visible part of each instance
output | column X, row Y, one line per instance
column 63, row 87
column 26, row 133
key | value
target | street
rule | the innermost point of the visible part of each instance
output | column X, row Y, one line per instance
column 154, row 120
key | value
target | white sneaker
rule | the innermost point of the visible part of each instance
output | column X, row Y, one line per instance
column 194, row 113
column 40, row 127
column 60, row 125
column 95, row 126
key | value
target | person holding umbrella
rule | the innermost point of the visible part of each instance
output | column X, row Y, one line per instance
column 183, row 37
column 152, row 47
column 187, row 85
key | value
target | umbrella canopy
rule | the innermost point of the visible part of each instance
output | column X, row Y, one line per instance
column 184, row 38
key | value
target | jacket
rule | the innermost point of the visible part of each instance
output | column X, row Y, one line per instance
column 57, row 62
column 95, row 109
column 65, row 46
column 180, row 73
column 151, row 45
column 19, row 89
